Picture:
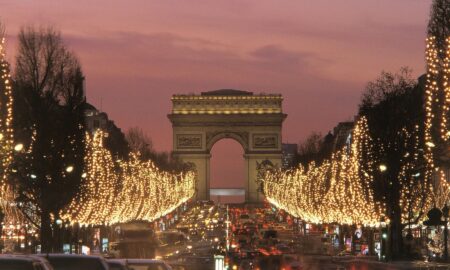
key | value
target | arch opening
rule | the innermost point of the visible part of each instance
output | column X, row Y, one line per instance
column 227, row 171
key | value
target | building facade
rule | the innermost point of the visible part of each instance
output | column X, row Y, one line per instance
column 289, row 155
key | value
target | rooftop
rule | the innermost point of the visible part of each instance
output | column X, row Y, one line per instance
column 227, row 92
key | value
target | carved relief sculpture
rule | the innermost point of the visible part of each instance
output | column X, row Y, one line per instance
column 189, row 141
column 265, row 141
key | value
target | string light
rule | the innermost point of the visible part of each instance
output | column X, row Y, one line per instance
column 6, row 136
column 338, row 190
column 119, row 191
column 437, row 108
column 332, row 191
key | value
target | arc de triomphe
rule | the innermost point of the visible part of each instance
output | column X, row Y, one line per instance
column 255, row 121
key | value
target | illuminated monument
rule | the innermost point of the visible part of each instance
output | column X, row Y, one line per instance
column 255, row 121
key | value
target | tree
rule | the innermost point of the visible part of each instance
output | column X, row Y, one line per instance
column 6, row 100
column 392, row 105
column 311, row 149
column 437, row 53
column 48, row 121
column 6, row 134
column 437, row 98
column 139, row 142
column 100, row 185
column 116, row 142
column 439, row 25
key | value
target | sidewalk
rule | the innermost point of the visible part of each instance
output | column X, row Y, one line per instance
column 398, row 265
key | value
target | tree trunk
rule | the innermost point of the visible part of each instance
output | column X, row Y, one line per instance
column 370, row 241
column 395, row 232
column 46, row 232
column 341, row 238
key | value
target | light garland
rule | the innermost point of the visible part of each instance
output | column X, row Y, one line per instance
column 6, row 135
column 437, row 112
column 415, row 188
column 336, row 191
column 332, row 192
column 119, row 191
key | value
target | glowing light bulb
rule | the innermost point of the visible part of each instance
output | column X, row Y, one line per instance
column 18, row 147
column 69, row 169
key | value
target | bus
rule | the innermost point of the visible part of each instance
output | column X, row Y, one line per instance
column 133, row 240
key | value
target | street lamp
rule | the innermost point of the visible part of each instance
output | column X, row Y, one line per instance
column 445, row 211
column 2, row 217
column 69, row 169
column 58, row 226
column 384, row 241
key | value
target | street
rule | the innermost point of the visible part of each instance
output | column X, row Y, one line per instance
column 250, row 237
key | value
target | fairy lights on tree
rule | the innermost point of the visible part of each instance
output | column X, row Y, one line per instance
column 119, row 191
column 6, row 131
column 437, row 109
column 338, row 190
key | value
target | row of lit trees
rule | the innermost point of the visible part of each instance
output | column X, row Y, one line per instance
column 125, row 190
column 381, row 176
column 337, row 191
column 55, row 171
column 409, row 134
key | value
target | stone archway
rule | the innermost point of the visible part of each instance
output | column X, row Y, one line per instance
column 255, row 121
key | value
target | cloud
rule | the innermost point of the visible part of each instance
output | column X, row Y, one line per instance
column 275, row 53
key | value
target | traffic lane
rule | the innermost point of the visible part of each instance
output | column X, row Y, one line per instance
column 373, row 265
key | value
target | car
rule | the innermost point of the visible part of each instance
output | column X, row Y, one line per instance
column 147, row 264
column 268, row 234
column 197, row 262
column 247, row 265
column 172, row 237
column 177, row 266
column 75, row 261
column 117, row 264
column 21, row 262
column 244, row 218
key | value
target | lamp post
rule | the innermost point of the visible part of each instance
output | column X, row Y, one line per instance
column 445, row 211
column 384, row 241
column 57, row 235
column 2, row 217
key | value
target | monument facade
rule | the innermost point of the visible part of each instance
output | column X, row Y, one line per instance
column 254, row 121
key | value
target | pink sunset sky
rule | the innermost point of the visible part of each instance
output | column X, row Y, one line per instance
column 318, row 54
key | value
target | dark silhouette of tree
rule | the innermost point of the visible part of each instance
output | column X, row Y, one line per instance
column 116, row 142
column 310, row 149
column 314, row 148
column 48, row 121
column 141, row 143
column 393, row 105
